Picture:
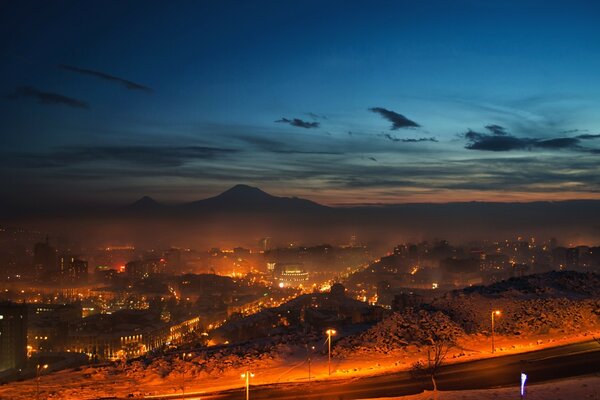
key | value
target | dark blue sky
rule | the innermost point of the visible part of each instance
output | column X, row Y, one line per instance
column 341, row 102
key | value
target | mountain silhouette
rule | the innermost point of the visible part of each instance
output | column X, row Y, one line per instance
column 144, row 205
column 244, row 213
column 242, row 198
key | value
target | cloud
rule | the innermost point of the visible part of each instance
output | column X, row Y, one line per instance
column 500, row 140
column 588, row 136
column 101, row 75
column 557, row 143
column 274, row 146
column 496, row 129
column 316, row 116
column 47, row 97
column 145, row 156
column 298, row 123
column 492, row 142
column 410, row 140
column 398, row 120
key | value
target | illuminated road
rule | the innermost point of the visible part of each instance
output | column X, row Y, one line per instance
column 543, row 365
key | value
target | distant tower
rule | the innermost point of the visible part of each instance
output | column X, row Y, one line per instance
column 45, row 261
column 265, row 243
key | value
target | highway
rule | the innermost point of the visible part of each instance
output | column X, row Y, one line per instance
column 542, row 365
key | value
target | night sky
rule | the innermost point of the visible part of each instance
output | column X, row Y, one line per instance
column 339, row 102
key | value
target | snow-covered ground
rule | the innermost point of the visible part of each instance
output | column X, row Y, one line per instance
column 585, row 388
column 286, row 364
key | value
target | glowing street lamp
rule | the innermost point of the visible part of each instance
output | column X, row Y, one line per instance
column 247, row 375
column 329, row 332
column 495, row 313
column 38, row 370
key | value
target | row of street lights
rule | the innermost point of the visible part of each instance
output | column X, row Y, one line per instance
column 329, row 332
column 247, row 375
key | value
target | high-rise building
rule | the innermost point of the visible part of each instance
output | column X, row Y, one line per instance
column 13, row 336
column 45, row 261
column 72, row 269
column 139, row 269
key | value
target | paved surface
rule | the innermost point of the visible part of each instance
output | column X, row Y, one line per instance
column 542, row 365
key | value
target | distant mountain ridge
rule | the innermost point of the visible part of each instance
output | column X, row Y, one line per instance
column 581, row 217
column 244, row 197
column 244, row 213
column 238, row 198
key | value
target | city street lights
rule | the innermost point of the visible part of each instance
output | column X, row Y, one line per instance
column 247, row 375
column 329, row 333
column 495, row 313
column 184, row 356
column 38, row 369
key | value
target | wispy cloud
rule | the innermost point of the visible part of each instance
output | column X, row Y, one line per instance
column 146, row 156
column 50, row 98
column 107, row 77
column 408, row 140
column 588, row 136
column 500, row 140
column 297, row 122
column 316, row 116
column 398, row 120
column 279, row 147
column 496, row 129
column 573, row 131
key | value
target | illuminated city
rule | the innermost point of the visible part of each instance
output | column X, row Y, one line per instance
column 299, row 200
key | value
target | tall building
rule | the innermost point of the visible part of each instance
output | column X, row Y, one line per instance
column 139, row 269
column 72, row 269
column 45, row 261
column 265, row 244
column 13, row 336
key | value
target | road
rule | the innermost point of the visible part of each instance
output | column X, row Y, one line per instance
column 542, row 365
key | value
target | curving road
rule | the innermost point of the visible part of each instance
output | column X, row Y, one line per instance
column 542, row 365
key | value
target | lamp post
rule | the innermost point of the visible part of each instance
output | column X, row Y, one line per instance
column 495, row 313
column 247, row 375
column 184, row 356
column 38, row 369
column 329, row 332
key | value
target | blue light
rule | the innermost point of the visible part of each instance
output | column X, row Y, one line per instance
column 523, row 379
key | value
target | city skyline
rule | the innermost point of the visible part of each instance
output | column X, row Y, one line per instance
column 340, row 103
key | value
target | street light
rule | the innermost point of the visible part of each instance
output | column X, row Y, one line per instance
column 247, row 375
column 495, row 313
column 38, row 369
column 183, row 357
column 329, row 333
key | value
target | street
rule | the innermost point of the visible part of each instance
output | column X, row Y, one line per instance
column 542, row 365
